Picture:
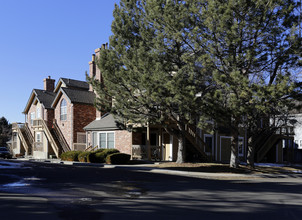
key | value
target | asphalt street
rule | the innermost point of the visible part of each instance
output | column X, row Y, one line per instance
column 32, row 190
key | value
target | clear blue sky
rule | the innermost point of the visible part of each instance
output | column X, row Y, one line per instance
column 41, row 38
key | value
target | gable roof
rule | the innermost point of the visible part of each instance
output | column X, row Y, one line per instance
column 75, row 96
column 71, row 83
column 106, row 123
column 44, row 97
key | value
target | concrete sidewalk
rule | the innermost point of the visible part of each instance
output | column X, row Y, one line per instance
column 152, row 168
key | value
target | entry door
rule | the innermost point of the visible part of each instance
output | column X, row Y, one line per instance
column 225, row 149
column 167, row 151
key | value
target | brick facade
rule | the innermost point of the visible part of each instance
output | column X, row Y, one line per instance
column 83, row 115
column 95, row 72
column 78, row 116
column 65, row 125
column 49, row 84
column 123, row 141
column 49, row 115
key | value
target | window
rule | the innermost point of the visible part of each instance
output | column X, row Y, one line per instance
column 32, row 117
column 81, row 138
column 38, row 113
column 94, row 139
column 38, row 137
column 63, row 108
column 106, row 140
column 240, row 146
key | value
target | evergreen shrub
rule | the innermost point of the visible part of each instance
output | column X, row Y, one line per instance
column 70, row 155
column 101, row 154
column 118, row 158
column 83, row 156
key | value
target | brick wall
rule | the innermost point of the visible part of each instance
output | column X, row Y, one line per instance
column 65, row 125
column 95, row 72
column 49, row 84
column 49, row 115
column 123, row 141
column 83, row 115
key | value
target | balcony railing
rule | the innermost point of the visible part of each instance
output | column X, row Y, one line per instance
column 37, row 123
column 18, row 125
column 285, row 130
column 79, row 146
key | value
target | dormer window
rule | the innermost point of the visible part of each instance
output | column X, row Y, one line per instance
column 63, row 108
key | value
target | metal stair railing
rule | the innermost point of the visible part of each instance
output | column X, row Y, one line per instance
column 271, row 141
column 28, row 133
column 190, row 133
column 17, row 129
column 41, row 123
column 60, row 137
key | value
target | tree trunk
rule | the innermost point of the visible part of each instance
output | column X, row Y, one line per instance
column 251, row 153
column 234, row 160
column 181, row 154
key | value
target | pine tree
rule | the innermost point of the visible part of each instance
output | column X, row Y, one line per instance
column 5, row 131
column 150, row 71
column 252, row 48
column 237, row 55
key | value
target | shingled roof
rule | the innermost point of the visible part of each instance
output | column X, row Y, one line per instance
column 79, row 96
column 106, row 123
column 44, row 97
column 75, row 96
column 72, row 83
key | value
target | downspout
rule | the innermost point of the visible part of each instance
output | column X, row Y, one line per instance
column 71, row 126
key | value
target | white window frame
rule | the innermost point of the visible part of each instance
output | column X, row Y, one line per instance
column 38, row 113
column 32, row 117
column 63, row 110
column 241, row 139
column 105, row 132
column 39, row 137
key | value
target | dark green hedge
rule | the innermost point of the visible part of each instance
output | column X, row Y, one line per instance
column 98, row 156
column 84, row 156
column 70, row 155
column 118, row 158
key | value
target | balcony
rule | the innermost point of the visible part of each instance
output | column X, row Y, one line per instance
column 37, row 123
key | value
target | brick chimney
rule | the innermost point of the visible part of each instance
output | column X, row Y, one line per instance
column 49, row 84
column 94, row 71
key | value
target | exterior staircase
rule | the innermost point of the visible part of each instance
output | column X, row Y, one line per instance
column 266, row 142
column 59, row 137
column 53, row 137
column 195, row 140
column 25, row 136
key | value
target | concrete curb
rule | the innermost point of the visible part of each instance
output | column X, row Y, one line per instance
column 153, row 169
